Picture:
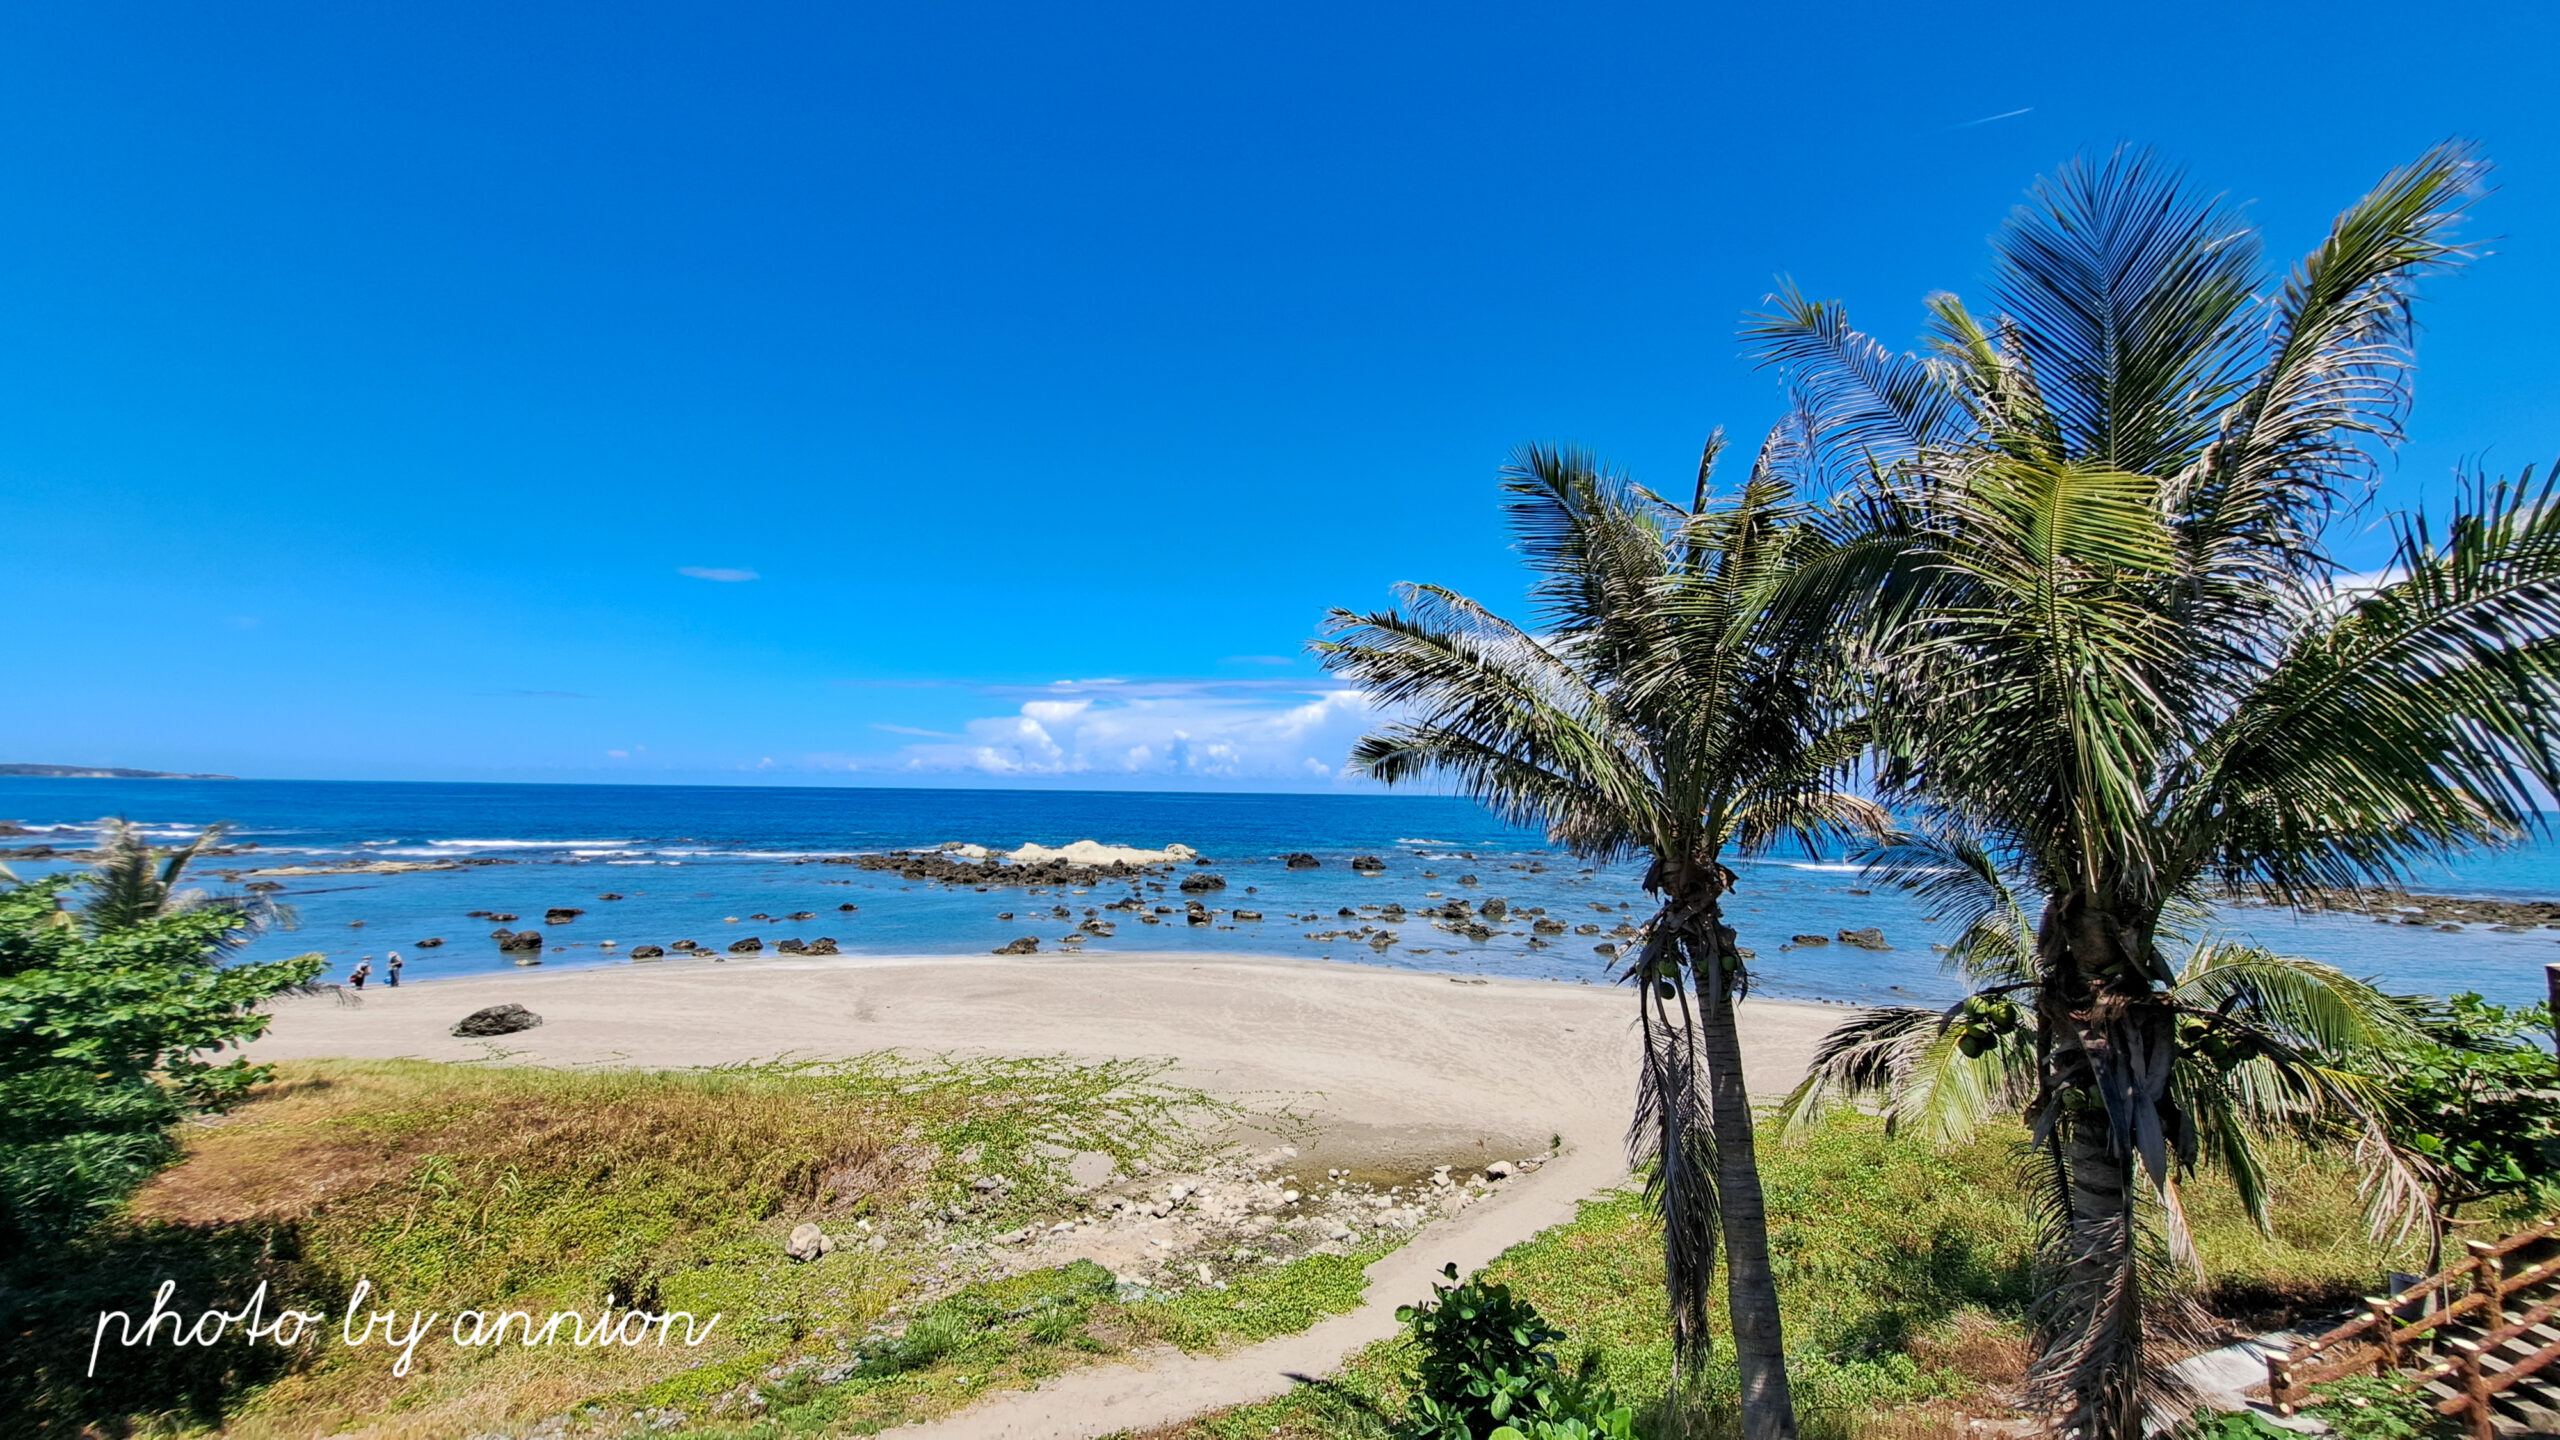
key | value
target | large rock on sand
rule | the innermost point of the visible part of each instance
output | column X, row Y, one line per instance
column 497, row 1020
column 1027, row 945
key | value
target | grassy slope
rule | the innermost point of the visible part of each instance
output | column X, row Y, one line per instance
column 466, row 1186
column 1902, row 1273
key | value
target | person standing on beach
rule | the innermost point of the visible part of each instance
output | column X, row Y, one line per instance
column 391, row 972
column 363, row 970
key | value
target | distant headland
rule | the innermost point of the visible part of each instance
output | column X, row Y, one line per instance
column 100, row 772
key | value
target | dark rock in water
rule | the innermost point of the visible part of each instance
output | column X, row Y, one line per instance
column 1469, row 880
column 1869, row 938
column 497, row 1020
column 943, row 869
column 1198, row 914
column 431, row 942
column 1812, row 939
column 263, row 886
column 791, row 947
column 804, row 914
column 823, row 945
column 1586, row 929
column 497, row 917
column 561, row 914
column 1195, row 884
column 848, row 907
column 1301, row 860
column 1368, row 864
column 1027, row 945
column 748, row 946
column 521, row 940
column 646, row 952
column 1547, row 927
column 1248, row 914
column 608, row 896
column 1495, row 909
column 684, row 945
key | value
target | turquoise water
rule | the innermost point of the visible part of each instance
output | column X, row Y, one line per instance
column 687, row 858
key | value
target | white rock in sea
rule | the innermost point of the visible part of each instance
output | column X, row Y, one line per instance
column 1094, row 852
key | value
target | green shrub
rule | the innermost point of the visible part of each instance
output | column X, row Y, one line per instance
column 2370, row 1407
column 103, row 1031
column 1488, row 1372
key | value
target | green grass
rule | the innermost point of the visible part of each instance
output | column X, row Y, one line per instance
column 480, row 1186
column 1902, row 1270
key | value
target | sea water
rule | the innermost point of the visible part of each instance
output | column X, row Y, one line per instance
column 700, row 862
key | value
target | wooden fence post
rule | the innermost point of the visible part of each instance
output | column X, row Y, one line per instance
column 2280, row 1381
column 2386, row 1333
column 2475, row 1389
column 2489, row 1280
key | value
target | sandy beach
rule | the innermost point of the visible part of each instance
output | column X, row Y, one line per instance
column 1394, row 1068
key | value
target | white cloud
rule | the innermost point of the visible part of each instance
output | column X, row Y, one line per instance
column 1161, row 731
column 715, row 572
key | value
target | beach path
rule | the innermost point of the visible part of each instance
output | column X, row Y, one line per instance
column 1393, row 1068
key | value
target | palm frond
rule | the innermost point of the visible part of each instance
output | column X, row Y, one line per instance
column 2422, row 719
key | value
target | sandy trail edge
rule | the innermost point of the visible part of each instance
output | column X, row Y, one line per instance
column 1391, row 1066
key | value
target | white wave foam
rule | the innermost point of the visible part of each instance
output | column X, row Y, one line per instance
column 532, row 844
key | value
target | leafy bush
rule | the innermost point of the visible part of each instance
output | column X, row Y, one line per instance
column 2370, row 1407
column 2475, row 1097
column 104, row 1030
column 1489, row 1372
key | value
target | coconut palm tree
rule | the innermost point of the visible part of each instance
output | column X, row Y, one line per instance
column 2107, row 635
column 1670, row 706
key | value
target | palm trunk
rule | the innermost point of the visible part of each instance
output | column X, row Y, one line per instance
column 2106, row 1089
column 2095, row 1349
column 1693, row 1121
column 1751, row 1290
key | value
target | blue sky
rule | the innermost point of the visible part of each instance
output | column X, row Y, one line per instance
column 404, row 391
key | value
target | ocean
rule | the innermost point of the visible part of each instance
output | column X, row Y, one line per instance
column 703, row 863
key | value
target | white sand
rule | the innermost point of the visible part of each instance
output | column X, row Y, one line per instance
column 1395, row 1067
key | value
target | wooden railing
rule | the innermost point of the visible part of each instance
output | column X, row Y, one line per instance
column 2380, row 1341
